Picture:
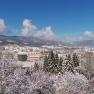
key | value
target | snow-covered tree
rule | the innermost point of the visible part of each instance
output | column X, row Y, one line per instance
column 22, row 80
column 71, row 83
column 75, row 60
column 69, row 66
column 52, row 63
column 36, row 67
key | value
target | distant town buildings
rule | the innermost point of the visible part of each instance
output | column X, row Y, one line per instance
column 30, row 55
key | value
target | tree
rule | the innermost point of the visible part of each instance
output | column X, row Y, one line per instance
column 75, row 60
column 60, row 65
column 51, row 55
column 55, row 62
column 69, row 66
column 45, row 65
column 36, row 67
column 48, row 62
column 52, row 63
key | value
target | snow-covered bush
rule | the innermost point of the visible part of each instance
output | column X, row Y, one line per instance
column 71, row 83
column 18, row 80
column 41, row 84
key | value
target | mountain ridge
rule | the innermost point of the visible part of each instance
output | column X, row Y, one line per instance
column 25, row 41
column 33, row 41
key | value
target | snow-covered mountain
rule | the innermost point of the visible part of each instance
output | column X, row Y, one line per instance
column 33, row 41
column 29, row 41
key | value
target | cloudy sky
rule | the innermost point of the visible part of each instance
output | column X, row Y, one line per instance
column 68, row 20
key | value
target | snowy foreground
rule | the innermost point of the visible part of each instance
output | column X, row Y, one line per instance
column 24, row 80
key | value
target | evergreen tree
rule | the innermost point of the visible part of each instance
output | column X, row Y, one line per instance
column 60, row 65
column 55, row 62
column 36, row 67
column 69, row 64
column 45, row 65
column 52, row 63
column 51, row 55
column 75, row 60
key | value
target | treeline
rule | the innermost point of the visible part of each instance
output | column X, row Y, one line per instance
column 55, row 64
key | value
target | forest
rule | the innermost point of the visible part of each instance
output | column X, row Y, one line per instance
column 56, row 76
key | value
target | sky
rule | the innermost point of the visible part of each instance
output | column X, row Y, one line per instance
column 68, row 20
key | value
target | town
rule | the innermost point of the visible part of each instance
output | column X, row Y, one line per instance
column 27, row 56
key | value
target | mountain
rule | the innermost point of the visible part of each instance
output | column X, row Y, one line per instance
column 33, row 41
column 25, row 41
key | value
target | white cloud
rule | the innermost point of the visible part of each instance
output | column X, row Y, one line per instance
column 88, row 34
column 29, row 29
column 46, row 33
column 71, row 38
column 2, row 25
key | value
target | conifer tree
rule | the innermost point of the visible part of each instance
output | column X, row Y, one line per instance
column 36, row 67
column 45, row 65
column 51, row 55
column 75, row 60
column 55, row 63
column 48, row 62
column 69, row 64
column 60, row 65
column 52, row 63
